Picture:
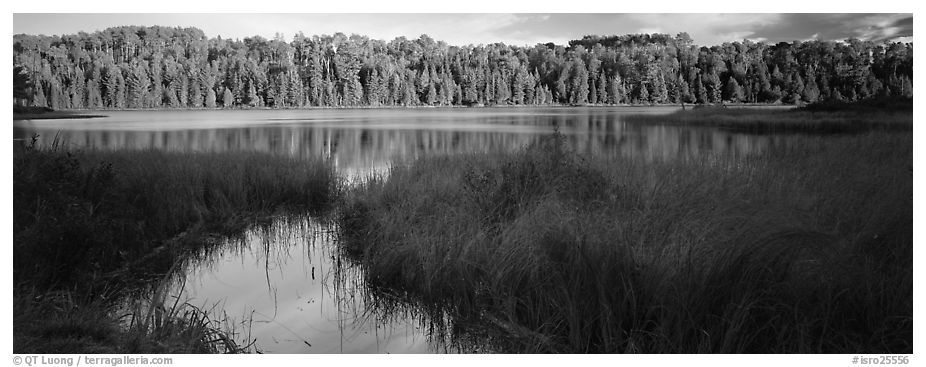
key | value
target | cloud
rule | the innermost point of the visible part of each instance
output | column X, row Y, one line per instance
column 713, row 29
column 875, row 27
column 512, row 29
column 705, row 29
column 455, row 29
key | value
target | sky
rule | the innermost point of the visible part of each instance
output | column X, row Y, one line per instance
column 510, row 28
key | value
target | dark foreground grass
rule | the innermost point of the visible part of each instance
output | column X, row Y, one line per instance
column 91, row 226
column 800, row 250
column 821, row 118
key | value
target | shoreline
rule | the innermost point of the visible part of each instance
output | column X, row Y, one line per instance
column 54, row 115
column 76, row 113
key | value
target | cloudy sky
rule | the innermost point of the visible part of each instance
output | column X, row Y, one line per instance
column 510, row 28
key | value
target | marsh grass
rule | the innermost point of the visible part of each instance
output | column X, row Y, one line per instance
column 821, row 118
column 71, row 322
column 93, row 226
column 804, row 249
column 171, row 324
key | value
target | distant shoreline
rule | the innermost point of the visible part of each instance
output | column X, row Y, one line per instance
column 79, row 113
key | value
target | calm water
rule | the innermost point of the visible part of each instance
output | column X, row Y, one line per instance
column 285, row 284
column 289, row 289
column 364, row 140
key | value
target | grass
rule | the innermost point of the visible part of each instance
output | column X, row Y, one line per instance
column 805, row 249
column 90, row 226
column 67, row 322
column 821, row 118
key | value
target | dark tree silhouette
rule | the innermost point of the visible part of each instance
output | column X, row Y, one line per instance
column 22, row 86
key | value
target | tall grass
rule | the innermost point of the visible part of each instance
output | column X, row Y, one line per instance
column 804, row 249
column 71, row 322
column 98, row 209
column 92, row 225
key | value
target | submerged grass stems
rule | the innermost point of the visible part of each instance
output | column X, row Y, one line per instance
column 92, row 225
column 803, row 249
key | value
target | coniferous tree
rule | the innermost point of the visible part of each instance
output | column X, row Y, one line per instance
column 138, row 84
column 517, row 86
column 560, row 88
column 94, row 99
column 714, row 87
column 811, row 93
column 702, row 96
column 470, row 95
column 602, row 88
column 797, row 85
column 39, row 100
column 530, row 89
column 592, row 92
column 684, row 92
column 253, row 99
column 579, row 83
column 228, row 100
column 733, row 92
column 502, row 90
column 196, row 95
column 660, row 92
column 617, row 90
column 210, row 98
column 183, row 90
column 114, row 86
column 644, row 93
column 78, row 89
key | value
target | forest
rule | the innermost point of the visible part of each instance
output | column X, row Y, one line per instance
column 134, row 67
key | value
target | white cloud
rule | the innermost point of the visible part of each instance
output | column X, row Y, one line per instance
column 512, row 29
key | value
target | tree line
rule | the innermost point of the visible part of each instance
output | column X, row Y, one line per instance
column 164, row 67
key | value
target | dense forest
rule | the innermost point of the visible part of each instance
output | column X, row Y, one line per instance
column 163, row 67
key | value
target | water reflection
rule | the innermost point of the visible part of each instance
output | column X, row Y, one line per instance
column 287, row 284
column 363, row 140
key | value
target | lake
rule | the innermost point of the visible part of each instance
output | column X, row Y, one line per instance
column 285, row 285
column 362, row 140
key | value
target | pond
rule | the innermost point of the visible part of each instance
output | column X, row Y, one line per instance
column 285, row 283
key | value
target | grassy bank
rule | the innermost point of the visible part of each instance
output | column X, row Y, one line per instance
column 89, row 226
column 821, row 118
column 800, row 250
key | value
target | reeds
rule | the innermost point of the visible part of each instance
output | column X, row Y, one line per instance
column 104, row 208
column 804, row 249
column 71, row 322
column 95, row 225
